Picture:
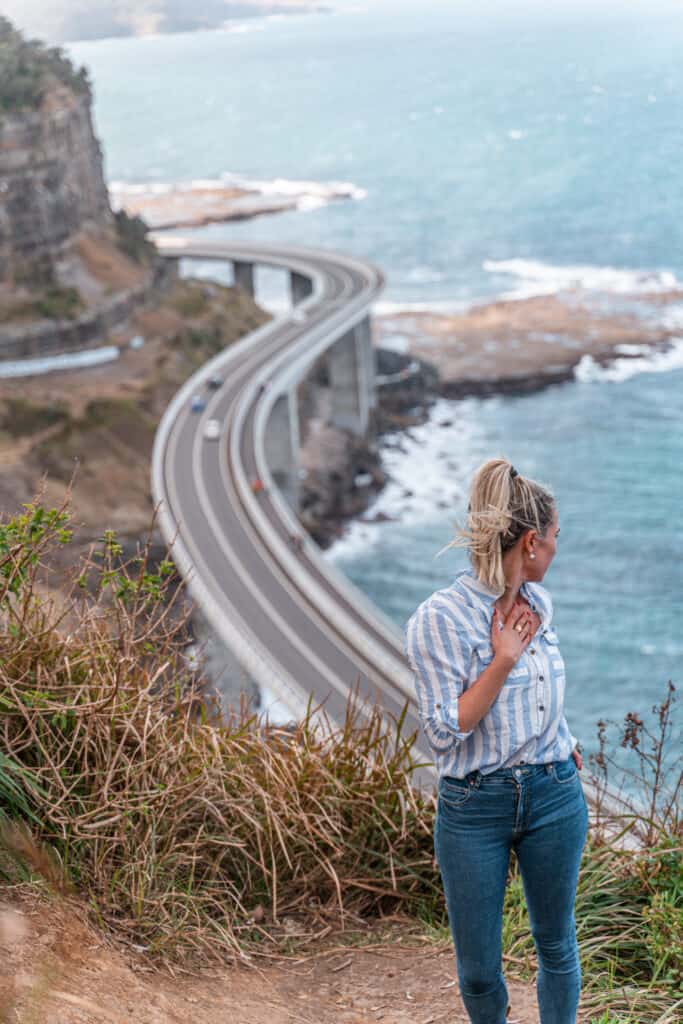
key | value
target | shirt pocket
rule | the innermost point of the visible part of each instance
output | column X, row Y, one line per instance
column 518, row 674
column 553, row 650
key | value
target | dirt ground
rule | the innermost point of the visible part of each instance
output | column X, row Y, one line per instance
column 55, row 969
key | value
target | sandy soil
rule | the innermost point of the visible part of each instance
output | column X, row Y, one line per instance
column 523, row 344
column 56, row 969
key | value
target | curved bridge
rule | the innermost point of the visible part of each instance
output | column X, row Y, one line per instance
column 297, row 625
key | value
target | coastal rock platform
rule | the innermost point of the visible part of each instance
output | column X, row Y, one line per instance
column 521, row 345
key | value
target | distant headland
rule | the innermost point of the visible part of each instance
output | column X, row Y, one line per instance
column 100, row 19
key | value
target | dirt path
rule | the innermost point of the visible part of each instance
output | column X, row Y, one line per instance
column 54, row 969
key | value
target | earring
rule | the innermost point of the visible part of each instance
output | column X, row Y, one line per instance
column 532, row 555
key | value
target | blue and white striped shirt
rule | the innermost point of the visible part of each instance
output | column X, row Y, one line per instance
column 448, row 646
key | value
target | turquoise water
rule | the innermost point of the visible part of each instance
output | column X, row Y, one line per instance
column 499, row 150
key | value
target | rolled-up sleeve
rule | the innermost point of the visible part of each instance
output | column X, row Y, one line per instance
column 438, row 651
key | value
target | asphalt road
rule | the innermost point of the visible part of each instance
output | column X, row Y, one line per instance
column 295, row 625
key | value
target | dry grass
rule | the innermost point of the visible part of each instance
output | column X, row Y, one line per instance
column 188, row 835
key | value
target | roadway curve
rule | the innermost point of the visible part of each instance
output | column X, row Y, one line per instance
column 297, row 625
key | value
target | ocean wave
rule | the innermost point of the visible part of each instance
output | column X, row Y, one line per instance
column 539, row 278
column 631, row 365
column 294, row 187
column 443, row 306
column 447, row 449
column 68, row 361
column 671, row 318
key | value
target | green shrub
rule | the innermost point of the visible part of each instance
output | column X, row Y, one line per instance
column 131, row 237
column 28, row 68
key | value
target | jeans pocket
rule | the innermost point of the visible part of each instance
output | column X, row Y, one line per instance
column 454, row 792
column 565, row 771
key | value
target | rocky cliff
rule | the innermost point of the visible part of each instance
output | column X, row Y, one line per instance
column 71, row 271
column 51, row 183
column 51, row 180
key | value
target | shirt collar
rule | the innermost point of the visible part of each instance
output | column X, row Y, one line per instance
column 531, row 592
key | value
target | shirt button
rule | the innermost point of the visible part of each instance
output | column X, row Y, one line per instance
column 532, row 650
column 438, row 707
column 541, row 707
column 541, row 678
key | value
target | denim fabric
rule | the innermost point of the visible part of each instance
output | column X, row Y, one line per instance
column 540, row 812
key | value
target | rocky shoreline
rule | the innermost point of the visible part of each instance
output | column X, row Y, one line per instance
column 197, row 204
column 524, row 345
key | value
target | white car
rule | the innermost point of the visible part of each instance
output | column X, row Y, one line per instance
column 212, row 430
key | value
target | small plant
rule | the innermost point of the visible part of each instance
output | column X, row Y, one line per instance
column 654, row 771
column 58, row 303
column 131, row 237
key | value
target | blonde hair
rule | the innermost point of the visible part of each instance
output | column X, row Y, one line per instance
column 503, row 505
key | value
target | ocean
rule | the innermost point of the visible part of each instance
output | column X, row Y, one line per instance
column 492, row 150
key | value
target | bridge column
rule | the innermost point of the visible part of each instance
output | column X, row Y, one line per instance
column 244, row 276
column 282, row 445
column 352, row 379
column 300, row 287
column 364, row 341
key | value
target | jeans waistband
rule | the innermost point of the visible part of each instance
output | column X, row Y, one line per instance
column 515, row 771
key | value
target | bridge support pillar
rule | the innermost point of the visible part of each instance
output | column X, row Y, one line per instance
column 244, row 276
column 300, row 287
column 352, row 379
column 282, row 445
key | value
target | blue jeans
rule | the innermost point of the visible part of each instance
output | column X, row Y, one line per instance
column 539, row 811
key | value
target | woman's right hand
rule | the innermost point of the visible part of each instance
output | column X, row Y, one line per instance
column 510, row 642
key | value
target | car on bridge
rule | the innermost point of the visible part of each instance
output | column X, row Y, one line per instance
column 212, row 430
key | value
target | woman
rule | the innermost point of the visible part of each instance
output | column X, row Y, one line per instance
column 490, row 688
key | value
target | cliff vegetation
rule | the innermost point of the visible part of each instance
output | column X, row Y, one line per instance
column 28, row 69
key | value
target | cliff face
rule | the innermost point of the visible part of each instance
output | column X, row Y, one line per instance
column 51, row 182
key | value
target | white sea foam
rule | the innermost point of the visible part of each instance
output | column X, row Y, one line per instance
column 537, row 278
column 671, row 318
column 67, row 361
column 388, row 308
column 446, row 456
column 624, row 368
